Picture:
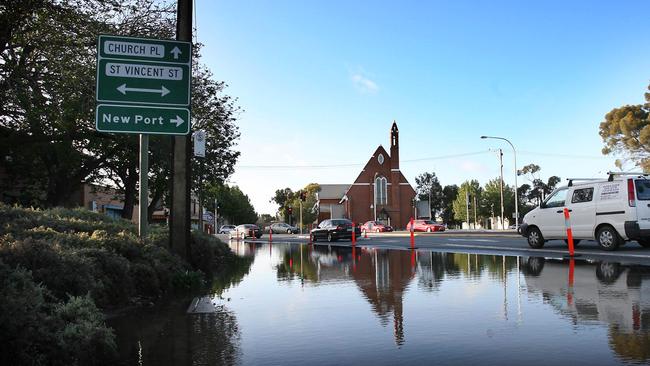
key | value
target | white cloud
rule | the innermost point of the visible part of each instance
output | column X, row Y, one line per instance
column 363, row 84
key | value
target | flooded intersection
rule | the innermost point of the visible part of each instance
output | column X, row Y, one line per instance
column 329, row 305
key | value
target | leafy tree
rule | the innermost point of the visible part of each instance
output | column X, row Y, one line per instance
column 626, row 130
column 539, row 189
column 286, row 198
column 473, row 188
column 492, row 198
column 234, row 205
column 449, row 194
column 48, row 142
column 428, row 186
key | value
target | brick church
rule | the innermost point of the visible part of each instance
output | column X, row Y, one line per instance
column 380, row 192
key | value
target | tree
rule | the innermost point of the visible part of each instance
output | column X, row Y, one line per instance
column 492, row 198
column 460, row 207
column 626, row 130
column 539, row 189
column 48, row 141
column 428, row 187
column 286, row 198
column 234, row 205
column 449, row 194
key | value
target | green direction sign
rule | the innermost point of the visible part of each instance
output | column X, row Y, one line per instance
column 143, row 71
column 142, row 119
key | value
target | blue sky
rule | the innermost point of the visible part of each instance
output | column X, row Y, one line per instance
column 321, row 83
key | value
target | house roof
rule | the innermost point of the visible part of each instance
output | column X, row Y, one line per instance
column 332, row 191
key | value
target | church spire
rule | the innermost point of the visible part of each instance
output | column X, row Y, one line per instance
column 394, row 146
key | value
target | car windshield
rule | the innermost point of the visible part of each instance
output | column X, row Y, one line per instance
column 430, row 222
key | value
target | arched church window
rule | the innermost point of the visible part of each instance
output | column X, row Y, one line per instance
column 381, row 190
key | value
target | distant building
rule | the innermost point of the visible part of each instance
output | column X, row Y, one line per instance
column 98, row 198
column 380, row 192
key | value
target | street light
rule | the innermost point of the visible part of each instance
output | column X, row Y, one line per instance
column 516, row 173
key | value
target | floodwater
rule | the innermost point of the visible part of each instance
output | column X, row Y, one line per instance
column 321, row 305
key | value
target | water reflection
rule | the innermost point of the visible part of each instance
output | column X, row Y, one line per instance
column 343, row 305
column 173, row 334
column 610, row 293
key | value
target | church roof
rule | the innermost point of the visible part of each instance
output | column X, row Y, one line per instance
column 332, row 191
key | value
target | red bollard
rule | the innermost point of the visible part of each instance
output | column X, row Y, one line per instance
column 413, row 260
column 365, row 234
column 270, row 235
column 354, row 234
column 569, row 233
column 569, row 293
column 412, row 235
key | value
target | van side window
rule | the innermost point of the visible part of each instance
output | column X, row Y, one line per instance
column 582, row 195
column 642, row 189
column 556, row 199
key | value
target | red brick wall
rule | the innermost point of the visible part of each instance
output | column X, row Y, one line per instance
column 361, row 193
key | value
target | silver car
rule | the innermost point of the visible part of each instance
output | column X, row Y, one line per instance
column 226, row 229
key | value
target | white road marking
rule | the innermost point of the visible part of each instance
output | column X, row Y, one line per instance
column 481, row 240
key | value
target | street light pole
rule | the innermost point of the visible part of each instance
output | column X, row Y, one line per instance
column 514, row 152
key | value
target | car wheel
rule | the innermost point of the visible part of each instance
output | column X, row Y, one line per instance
column 608, row 238
column 535, row 238
column 288, row 231
column 534, row 265
column 575, row 242
column 607, row 273
column 313, row 238
column 377, row 230
column 645, row 242
column 428, row 230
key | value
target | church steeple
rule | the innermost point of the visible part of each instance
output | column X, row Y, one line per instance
column 394, row 146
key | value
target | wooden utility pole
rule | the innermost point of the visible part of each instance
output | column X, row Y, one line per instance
column 501, row 183
column 180, row 216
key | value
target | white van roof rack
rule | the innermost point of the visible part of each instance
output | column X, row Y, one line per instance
column 613, row 174
column 581, row 179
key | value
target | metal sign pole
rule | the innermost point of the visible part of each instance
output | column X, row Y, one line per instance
column 143, row 220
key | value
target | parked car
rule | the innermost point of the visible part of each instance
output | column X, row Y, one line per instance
column 425, row 225
column 611, row 211
column 225, row 229
column 334, row 229
column 281, row 227
column 246, row 231
column 375, row 227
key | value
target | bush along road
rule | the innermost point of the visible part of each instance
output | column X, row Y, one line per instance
column 62, row 271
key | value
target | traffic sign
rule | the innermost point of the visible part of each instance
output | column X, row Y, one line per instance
column 142, row 119
column 143, row 71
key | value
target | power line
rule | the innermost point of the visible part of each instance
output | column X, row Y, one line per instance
column 442, row 157
column 569, row 156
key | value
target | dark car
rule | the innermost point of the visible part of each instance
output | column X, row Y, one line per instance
column 246, row 231
column 281, row 227
column 334, row 229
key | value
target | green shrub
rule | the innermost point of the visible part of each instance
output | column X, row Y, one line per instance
column 113, row 282
column 34, row 330
column 82, row 337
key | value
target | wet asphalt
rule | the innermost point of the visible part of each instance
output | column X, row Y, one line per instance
column 508, row 243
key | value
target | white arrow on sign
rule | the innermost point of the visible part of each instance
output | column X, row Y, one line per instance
column 123, row 89
column 178, row 121
column 175, row 51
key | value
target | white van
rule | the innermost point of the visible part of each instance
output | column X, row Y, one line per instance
column 610, row 211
